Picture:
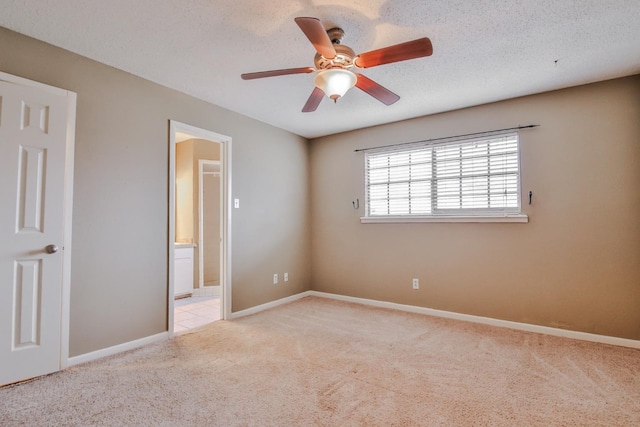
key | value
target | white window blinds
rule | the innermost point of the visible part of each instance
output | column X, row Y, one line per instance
column 478, row 176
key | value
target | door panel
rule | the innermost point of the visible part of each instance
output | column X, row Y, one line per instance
column 27, row 290
column 31, row 162
column 33, row 138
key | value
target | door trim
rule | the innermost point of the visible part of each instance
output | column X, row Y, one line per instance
column 225, row 166
column 68, row 205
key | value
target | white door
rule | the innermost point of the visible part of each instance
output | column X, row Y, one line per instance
column 33, row 143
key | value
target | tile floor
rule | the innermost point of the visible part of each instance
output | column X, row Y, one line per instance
column 192, row 312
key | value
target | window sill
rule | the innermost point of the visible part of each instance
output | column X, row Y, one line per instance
column 468, row 218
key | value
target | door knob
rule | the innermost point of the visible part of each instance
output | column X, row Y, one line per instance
column 51, row 249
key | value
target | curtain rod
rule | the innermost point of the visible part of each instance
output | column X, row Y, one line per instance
column 447, row 137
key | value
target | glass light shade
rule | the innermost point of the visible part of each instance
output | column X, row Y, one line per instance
column 335, row 82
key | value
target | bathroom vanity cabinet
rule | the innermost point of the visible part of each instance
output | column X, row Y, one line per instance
column 183, row 270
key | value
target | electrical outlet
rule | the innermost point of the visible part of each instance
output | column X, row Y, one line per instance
column 286, row 277
column 275, row 278
column 416, row 284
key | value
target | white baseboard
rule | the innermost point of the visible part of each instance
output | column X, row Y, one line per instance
column 109, row 351
column 207, row 291
column 546, row 330
column 584, row 336
column 268, row 305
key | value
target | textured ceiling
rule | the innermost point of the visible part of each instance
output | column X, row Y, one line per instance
column 484, row 50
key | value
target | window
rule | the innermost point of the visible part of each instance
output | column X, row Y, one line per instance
column 464, row 179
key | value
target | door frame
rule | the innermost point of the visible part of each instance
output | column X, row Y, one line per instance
column 225, row 245
column 201, row 163
column 67, row 224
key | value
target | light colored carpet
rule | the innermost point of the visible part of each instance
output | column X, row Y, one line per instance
column 328, row 363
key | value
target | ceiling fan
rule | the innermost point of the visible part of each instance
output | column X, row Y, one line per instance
column 334, row 63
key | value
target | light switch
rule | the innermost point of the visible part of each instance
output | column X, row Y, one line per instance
column 236, row 203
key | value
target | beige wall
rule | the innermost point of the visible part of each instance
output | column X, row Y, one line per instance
column 575, row 265
column 202, row 150
column 184, row 192
column 120, row 218
column 211, row 233
column 188, row 154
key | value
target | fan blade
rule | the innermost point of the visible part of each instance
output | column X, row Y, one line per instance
column 399, row 52
column 317, row 35
column 313, row 101
column 273, row 73
column 380, row 93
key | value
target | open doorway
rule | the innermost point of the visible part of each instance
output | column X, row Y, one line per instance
column 199, row 227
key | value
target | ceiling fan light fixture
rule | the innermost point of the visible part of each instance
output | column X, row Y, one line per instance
column 335, row 82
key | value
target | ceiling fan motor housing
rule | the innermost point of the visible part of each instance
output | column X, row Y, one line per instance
column 343, row 59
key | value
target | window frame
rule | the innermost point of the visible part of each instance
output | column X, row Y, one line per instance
column 505, row 214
